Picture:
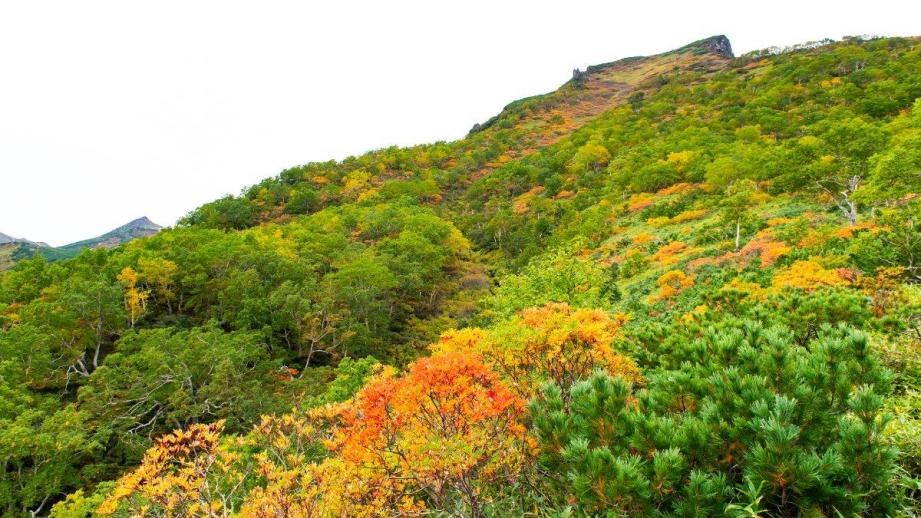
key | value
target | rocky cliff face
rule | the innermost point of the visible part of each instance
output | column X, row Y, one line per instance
column 718, row 45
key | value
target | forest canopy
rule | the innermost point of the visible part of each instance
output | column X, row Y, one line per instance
column 681, row 285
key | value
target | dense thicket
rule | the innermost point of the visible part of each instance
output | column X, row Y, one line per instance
column 702, row 300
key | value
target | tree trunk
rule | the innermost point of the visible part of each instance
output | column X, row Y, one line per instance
column 738, row 234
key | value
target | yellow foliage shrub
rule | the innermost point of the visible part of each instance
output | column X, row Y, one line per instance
column 689, row 215
column 807, row 275
column 555, row 342
column 672, row 283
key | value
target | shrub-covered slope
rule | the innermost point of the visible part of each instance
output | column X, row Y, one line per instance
column 679, row 285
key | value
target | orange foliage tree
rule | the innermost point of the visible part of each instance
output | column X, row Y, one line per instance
column 440, row 435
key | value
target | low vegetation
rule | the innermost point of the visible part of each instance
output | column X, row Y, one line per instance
column 693, row 294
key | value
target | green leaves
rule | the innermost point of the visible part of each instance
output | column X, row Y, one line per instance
column 747, row 421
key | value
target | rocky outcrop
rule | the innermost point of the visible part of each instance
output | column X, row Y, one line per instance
column 719, row 45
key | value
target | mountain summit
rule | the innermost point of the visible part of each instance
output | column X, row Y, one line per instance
column 601, row 87
column 140, row 227
column 718, row 45
column 14, row 249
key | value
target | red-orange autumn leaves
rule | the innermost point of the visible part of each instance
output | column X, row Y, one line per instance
column 440, row 435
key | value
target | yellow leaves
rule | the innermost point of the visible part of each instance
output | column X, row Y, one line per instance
column 554, row 342
column 660, row 221
column 273, row 239
column 680, row 159
column 173, row 473
column 831, row 83
column 689, row 215
column 695, row 314
column 158, row 273
column 367, row 195
column 128, row 277
column 809, row 141
column 760, row 196
column 355, row 180
column 466, row 339
column 135, row 299
column 671, row 283
column 808, row 275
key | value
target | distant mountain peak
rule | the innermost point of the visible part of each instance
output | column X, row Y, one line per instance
column 6, row 239
column 140, row 227
column 142, row 222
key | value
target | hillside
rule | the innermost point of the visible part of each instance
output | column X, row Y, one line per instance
column 679, row 285
column 12, row 250
column 141, row 227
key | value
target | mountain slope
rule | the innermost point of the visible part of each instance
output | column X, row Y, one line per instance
column 141, row 227
column 685, row 284
column 12, row 250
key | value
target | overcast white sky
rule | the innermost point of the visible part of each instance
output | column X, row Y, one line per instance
column 118, row 109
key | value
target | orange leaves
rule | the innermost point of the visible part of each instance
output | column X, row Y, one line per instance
column 443, row 395
column 670, row 284
column 771, row 251
column 445, row 429
column 667, row 254
column 678, row 188
column 765, row 247
column 443, row 435
column 555, row 342
column 807, row 275
column 643, row 238
column 848, row 232
column 448, row 423
column 521, row 203
column 640, row 201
